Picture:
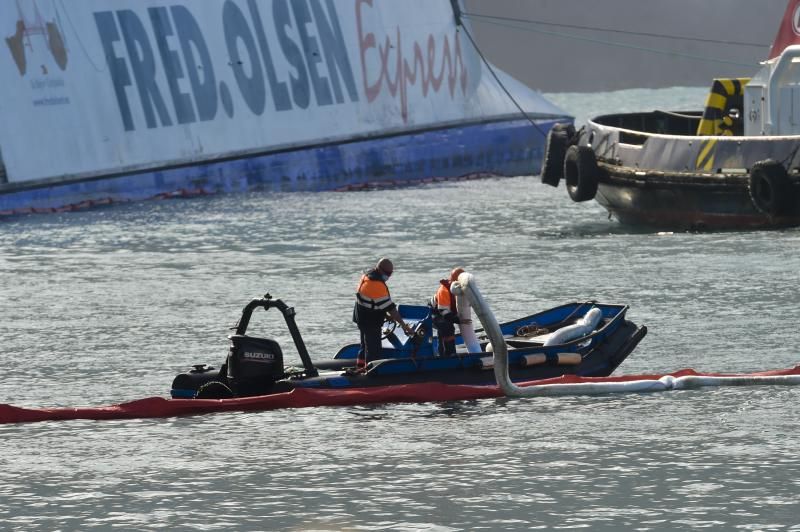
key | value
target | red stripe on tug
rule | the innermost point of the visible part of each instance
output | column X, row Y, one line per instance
column 154, row 407
column 788, row 31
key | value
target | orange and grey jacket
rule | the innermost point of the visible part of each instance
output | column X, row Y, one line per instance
column 443, row 301
column 372, row 297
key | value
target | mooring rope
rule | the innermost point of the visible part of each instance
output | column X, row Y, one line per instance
column 500, row 83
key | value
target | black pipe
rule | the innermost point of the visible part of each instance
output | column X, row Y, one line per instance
column 244, row 321
column 288, row 315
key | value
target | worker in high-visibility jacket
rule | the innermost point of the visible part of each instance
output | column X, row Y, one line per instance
column 373, row 306
column 445, row 315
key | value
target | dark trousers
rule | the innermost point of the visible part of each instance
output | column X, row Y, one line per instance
column 370, row 344
column 447, row 337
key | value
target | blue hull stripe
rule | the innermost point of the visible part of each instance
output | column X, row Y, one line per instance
column 502, row 148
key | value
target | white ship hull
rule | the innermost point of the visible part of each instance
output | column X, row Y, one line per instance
column 128, row 100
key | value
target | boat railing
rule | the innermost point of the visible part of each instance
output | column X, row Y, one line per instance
column 653, row 122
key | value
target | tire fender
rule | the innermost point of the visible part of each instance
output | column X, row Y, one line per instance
column 770, row 189
column 214, row 390
column 558, row 139
column 581, row 173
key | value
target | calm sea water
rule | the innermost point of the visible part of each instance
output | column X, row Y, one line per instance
column 106, row 306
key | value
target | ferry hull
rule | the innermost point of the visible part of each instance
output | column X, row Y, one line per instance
column 512, row 147
column 127, row 101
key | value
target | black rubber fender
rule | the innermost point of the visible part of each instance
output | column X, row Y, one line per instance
column 770, row 188
column 214, row 390
column 555, row 148
column 581, row 173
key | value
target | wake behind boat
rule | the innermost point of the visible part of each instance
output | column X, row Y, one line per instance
column 587, row 339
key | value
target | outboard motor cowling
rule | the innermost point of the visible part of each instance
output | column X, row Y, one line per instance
column 254, row 364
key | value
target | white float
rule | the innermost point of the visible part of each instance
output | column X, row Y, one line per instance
column 465, row 326
column 582, row 327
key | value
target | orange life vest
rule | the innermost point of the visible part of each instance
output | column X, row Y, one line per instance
column 443, row 300
column 372, row 292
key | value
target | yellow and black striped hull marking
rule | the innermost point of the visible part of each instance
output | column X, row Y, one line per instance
column 705, row 157
column 725, row 94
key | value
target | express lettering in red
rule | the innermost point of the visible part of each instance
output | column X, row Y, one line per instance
column 397, row 73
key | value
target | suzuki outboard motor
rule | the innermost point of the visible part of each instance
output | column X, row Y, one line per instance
column 254, row 365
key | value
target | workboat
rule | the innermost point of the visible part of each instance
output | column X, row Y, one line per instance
column 587, row 339
column 547, row 343
column 736, row 164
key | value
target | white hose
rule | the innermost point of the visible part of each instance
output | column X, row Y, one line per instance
column 466, row 285
column 465, row 326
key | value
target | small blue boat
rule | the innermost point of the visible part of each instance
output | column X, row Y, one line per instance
column 255, row 366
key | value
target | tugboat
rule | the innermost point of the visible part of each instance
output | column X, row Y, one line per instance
column 586, row 339
column 735, row 165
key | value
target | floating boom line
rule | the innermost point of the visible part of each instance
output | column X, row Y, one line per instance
column 466, row 285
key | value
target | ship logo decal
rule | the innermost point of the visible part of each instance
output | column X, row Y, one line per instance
column 27, row 30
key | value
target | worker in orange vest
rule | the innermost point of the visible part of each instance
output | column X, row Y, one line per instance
column 445, row 315
column 373, row 306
